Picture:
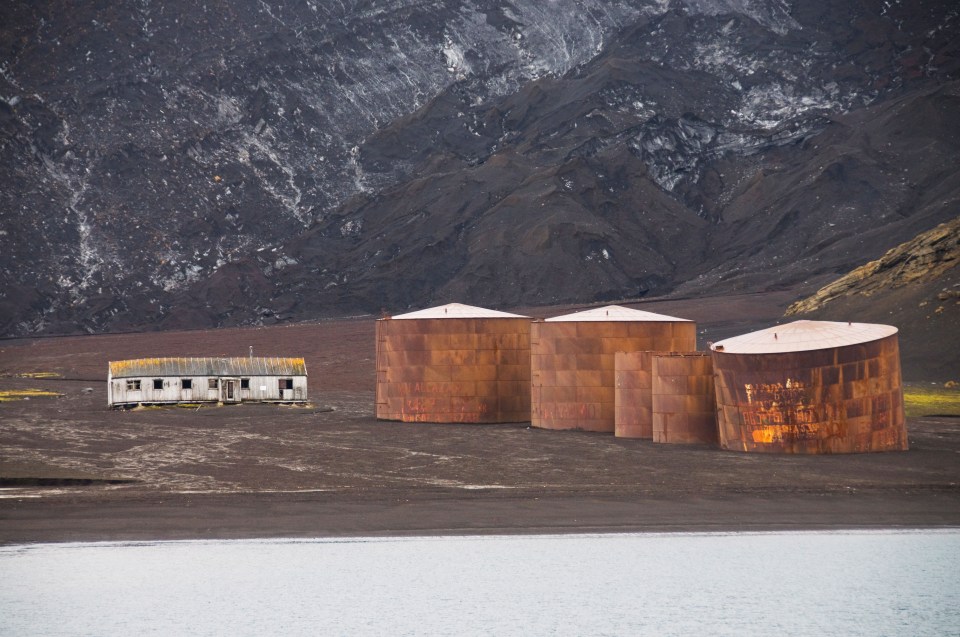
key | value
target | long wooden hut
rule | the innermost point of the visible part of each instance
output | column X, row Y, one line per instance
column 158, row 381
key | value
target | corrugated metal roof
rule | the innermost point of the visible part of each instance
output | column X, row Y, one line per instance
column 456, row 310
column 614, row 313
column 260, row 366
column 803, row 336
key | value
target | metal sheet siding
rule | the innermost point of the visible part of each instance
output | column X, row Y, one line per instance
column 468, row 370
column 683, row 399
column 633, row 395
column 841, row 400
column 573, row 371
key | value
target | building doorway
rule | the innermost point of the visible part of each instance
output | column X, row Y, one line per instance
column 230, row 390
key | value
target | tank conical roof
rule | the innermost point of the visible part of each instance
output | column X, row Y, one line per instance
column 614, row 313
column 456, row 310
column 803, row 336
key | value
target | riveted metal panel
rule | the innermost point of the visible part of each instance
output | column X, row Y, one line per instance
column 633, row 416
column 465, row 370
column 848, row 399
column 683, row 402
column 574, row 368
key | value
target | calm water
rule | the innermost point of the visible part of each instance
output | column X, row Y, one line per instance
column 842, row 583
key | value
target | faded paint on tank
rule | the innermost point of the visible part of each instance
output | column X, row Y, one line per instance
column 573, row 373
column 633, row 396
column 683, row 398
column 458, row 370
column 844, row 399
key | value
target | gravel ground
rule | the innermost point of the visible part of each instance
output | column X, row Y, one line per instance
column 73, row 470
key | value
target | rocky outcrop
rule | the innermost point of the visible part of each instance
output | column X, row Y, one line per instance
column 923, row 259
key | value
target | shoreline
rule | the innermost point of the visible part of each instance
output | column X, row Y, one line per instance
column 493, row 535
column 297, row 516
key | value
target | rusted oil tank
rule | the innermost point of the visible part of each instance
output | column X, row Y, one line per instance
column 453, row 363
column 573, row 358
column 633, row 395
column 683, row 402
column 811, row 387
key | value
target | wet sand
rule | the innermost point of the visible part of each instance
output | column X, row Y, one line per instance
column 73, row 470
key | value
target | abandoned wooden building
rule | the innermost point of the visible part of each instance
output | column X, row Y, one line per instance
column 157, row 381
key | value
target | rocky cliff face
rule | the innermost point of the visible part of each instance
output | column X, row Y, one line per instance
column 914, row 286
column 922, row 260
column 183, row 164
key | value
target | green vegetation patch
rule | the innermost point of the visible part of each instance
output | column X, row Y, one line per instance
column 931, row 401
column 25, row 394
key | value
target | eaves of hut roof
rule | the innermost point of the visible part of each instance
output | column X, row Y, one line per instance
column 240, row 366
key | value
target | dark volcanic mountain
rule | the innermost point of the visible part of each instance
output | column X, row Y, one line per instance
column 185, row 164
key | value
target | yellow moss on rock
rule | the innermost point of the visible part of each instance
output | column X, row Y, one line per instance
column 923, row 258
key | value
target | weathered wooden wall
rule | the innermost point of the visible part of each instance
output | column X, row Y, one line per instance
column 263, row 374
column 173, row 392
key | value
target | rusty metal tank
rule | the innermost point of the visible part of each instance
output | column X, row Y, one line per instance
column 453, row 363
column 633, row 395
column 811, row 387
column 683, row 402
column 573, row 362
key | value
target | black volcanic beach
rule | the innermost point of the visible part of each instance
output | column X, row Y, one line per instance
column 74, row 470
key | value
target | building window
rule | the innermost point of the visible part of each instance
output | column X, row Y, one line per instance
column 211, row 383
column 186, row 383
column 244, row 383
column 286, row 383
column 133, row 385
column 158, row 383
